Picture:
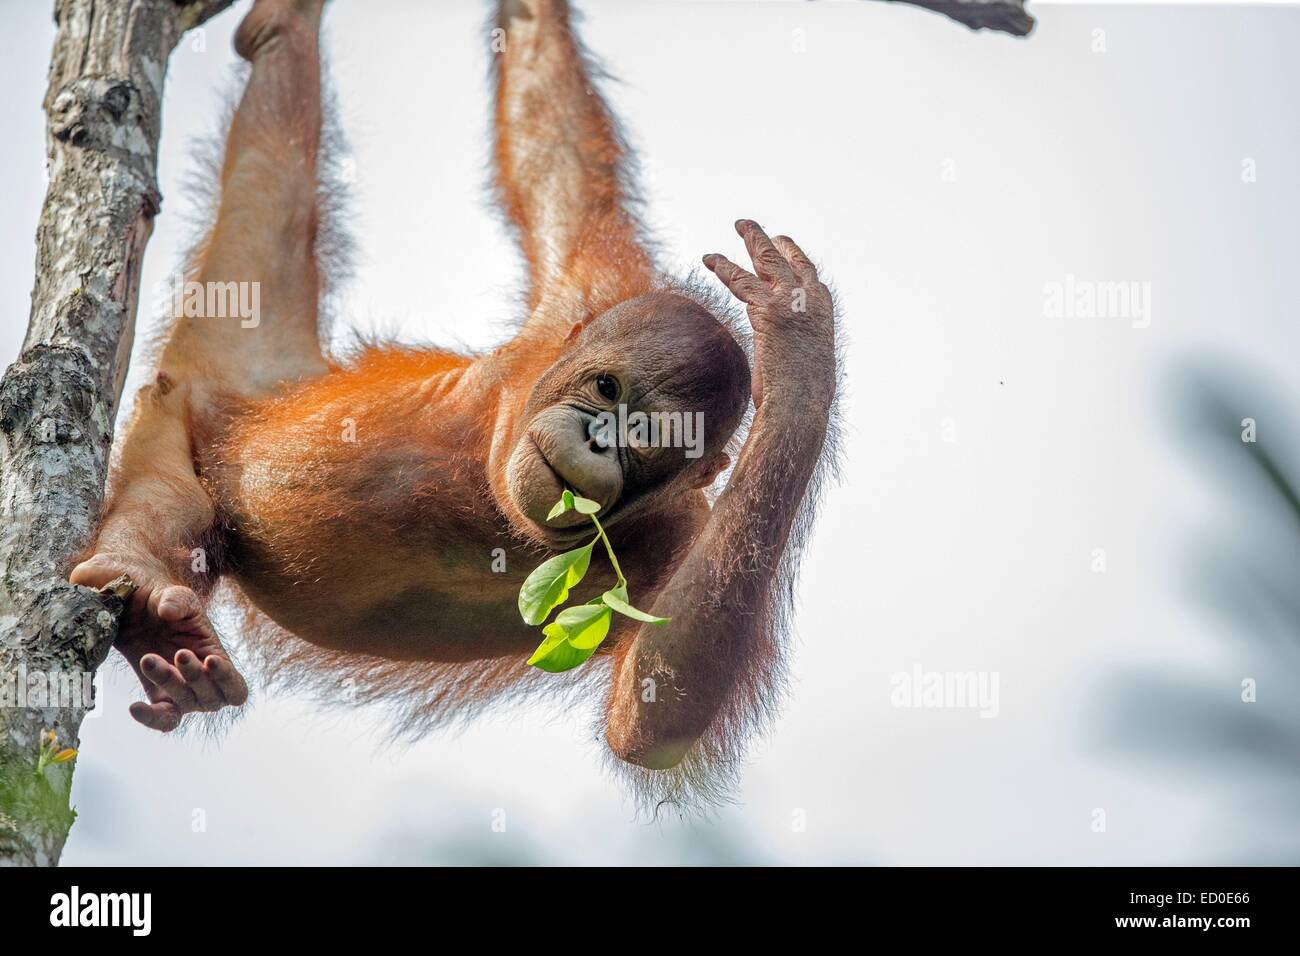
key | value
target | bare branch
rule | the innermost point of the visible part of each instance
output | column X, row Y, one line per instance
column 1004, row 16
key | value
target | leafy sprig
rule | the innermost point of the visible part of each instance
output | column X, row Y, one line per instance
column 576, row 631
column 50, row 752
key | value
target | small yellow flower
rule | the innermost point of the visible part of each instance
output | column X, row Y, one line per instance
column 64, row 755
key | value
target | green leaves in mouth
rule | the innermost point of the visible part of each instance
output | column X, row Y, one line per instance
column 577, row 631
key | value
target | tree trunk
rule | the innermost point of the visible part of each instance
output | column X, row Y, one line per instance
column 59, row 400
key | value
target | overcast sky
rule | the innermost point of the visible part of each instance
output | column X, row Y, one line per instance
column 945, row 180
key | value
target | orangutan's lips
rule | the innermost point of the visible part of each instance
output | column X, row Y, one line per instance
column 565, row 485
column 562, row 485
column 546, row 463
column 563, row 482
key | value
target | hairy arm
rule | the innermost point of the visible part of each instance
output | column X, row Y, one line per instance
column 560, row 168
column 705, row 674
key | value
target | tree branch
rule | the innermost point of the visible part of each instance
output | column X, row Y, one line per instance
column 59, row 400
column 1005, row 16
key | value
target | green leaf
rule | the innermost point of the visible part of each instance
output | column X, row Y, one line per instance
column 548, row 586
column 564, row 504
column 616, row 598
column 555, row 636
column 586, row 624
column 557, row 653
column 585, row 505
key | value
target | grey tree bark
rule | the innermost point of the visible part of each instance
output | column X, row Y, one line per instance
column 59, row 400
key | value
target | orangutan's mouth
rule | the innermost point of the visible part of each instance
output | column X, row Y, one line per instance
column 606, row 515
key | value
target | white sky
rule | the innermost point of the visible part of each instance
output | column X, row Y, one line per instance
column 965, row 555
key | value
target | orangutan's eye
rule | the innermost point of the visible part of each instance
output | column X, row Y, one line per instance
column 607, row 385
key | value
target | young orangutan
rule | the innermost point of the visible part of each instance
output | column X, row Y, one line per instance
column 380, row 513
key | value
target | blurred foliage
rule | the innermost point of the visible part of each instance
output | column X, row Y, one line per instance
column 1248, row 576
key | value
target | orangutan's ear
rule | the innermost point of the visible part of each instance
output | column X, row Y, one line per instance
column 575, row 331
column 710, row 471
